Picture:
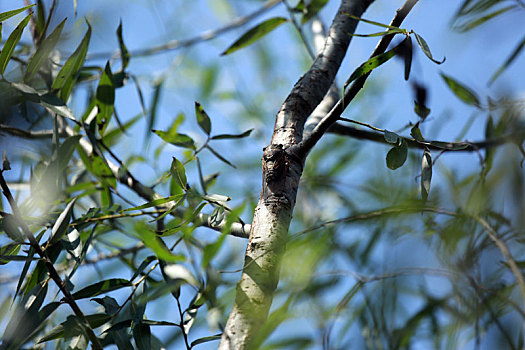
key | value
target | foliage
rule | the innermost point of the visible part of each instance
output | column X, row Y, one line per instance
column 369, row 254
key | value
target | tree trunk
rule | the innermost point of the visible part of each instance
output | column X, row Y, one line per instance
column 282, row 168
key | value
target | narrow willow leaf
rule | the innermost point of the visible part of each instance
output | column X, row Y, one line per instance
column 372, row 22
column 154, row 104
column 11, row 42
column 221, row 158
column 72, row 327
column 387, row 32
column 56, row 105
column 391, row 137
column 206, row 339
column 426, row 174
column 102, row 171
column 202, row 118
column 232, row 136
column 73, row 64
column 370, row 65
column 124, row 53
column 479, row 21
column 416, row 132
column 255, row 34
column 156, row 202
column 101, row 287
column 62, row 223
column 142, row 266
column 9, row 14
column 424, row 46
column 407, row 55
column 150, row 240
column 397, row 156
column 508, row 61
column 464, row 93
column 8, row 252
column 489, row 151
column 176, row 139
column 10, row 226
column 43, row 52
column 421, row 110
column 105, row 98
column 110, row 304
column 142, row 336
column 178, row 173
column 179, row 272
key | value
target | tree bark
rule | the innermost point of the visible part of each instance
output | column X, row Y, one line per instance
column 282, row 168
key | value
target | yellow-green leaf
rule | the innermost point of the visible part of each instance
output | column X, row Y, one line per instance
column 202, row 118
column 464, row 93
column 9, row 14
column 11, row 42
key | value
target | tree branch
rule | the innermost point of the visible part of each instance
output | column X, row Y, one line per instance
column 321, row 128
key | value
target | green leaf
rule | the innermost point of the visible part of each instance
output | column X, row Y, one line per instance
column 464, row 93
column 416, row 132
column 7, row 251
column 142, row 266
column 508, row 61
column 216, row 154
column 426, row 174
column 43, row 52
column 424, row 46
column 72, row 65
column 156, row 202
column 101, row 170
column 206, row 339
column 105, row 98
column 176, row 139
column 10, row 226
column 154, row 104
column 489, row 151
column 179, row 272
column 179, row 173
column 11, row 42
column 371, row 22
column 370, row 65
column 72, row 327
column 387, row 32
column 421, row 110
column 65, row 151
column 101, row 287
column 9, row 14
column 142, row 336
column 202, row 118
column 312, row 9
column 479, row 21
column 62, row 223
column 232, row 136
column 55, row 104
column 407, row 51
column 110, row 304
column 255, row 34
column 397, row 156
column 124, row 53
column 150, row 239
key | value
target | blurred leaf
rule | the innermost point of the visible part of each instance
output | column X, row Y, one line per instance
column 11, row 42
column 101, row 287
column 124, row 53
column 150, row 239
column 489, row 151
column 255, row 34
column 156, row 202
column 179, row 272
column 101, row 170
column 9, row 14
column 312, row 9
column 372, row 22
column 479, row 21
column 426, row 174
column 62, row 223
column 65, row 152
column 202, row 118
column 142, row 336
column 178, row 173
column 386, row 32
column 43, row 52
column 211, row 250
column 232, row 136
column 416, row 132
column 7, row 251
column 217, row 154
column 72, row 327
column 448, row 145
column 206, row 339
column 40, row 19
column 72, row 66
column 154, row 104
column 424, row 46
column 5, row 162
column 142, row 266
column 397, row 156
column 105, row 98
column 407, row 55
column 10, row 227
column 370, row 65
column 176, row 139
column 508, row 61
column 464, row 93
column 421, row 110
